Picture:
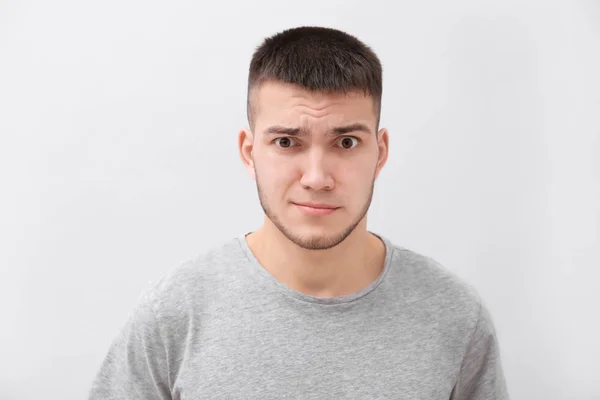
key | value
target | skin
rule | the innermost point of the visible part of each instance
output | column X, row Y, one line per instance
column 325, row 256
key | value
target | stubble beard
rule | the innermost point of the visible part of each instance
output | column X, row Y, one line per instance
column 314, row 242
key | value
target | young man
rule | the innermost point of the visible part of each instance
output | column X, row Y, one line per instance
column 312, row 305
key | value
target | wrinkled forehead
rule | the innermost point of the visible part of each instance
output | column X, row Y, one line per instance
column 280, row 103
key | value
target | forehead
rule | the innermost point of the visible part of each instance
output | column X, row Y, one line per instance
column 277, row 102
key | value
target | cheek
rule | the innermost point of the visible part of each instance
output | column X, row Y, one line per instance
column 356, row 181
column 279, row 169
column 274, row 179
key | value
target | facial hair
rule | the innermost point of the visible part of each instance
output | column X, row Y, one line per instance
column 312, row 243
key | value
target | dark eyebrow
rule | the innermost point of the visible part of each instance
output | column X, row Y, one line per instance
column 357, row 127
column 340, row 130
column 282, row 130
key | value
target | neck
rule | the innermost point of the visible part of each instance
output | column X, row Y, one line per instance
column 344, row 269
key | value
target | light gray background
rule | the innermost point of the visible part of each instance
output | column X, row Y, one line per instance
column 118, row 159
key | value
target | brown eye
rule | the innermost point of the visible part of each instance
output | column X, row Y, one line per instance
column 348, row 142
column 285, row 142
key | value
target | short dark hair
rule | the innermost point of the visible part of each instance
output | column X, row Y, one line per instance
column 319, row 59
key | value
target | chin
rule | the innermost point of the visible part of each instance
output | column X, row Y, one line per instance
column 316, row 242
column 315, row 237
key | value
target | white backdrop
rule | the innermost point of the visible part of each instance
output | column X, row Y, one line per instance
column 118, row 159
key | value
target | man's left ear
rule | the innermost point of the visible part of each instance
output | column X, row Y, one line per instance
column 383, row 147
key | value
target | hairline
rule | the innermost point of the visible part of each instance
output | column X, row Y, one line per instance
column 254, row 87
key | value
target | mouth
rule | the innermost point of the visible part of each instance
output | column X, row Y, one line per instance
column 316, row 209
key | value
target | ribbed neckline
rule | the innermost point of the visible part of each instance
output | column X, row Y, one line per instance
column 266, row 275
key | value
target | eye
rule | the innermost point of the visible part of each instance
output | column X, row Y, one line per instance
column 284, row 142
column 349, row 142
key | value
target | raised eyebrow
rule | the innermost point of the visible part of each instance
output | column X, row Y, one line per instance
column 357, row 127
column 340, row 130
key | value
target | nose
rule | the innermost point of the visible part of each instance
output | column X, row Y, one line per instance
column 317, row 173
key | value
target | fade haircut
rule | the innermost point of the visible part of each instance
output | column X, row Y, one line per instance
column 318, row 59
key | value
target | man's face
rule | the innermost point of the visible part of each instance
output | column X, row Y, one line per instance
column 314, row 148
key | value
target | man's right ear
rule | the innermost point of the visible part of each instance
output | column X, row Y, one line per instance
column 245, row 145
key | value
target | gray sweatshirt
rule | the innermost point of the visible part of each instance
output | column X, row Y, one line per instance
column 222, row 327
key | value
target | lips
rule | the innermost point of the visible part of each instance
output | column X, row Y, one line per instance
column 316, row 209
column 317, row 205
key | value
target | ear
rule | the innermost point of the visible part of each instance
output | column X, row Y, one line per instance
column 245, row 143
column 383, row 147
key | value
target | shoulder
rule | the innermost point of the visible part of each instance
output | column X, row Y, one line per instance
column 440, row 297
column 422, row 280
column 184, row 287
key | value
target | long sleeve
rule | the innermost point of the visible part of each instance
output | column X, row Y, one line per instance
column 136, row 364
column 481, row 375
